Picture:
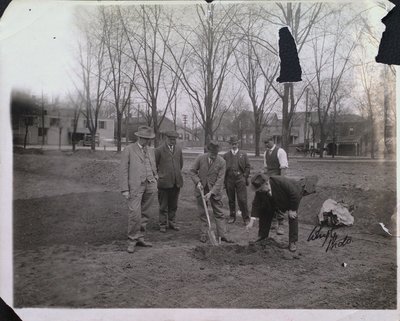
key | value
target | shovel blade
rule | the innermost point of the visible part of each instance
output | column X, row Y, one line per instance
column 212, row 238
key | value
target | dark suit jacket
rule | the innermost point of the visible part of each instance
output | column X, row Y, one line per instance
column 286, row 195
column 244, row 164
column 169, row 166
column 211, row 175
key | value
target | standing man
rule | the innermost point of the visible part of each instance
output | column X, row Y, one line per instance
column 275, row 163
column 139, row 185
column 169, row 162
column 208, row 173
column 276, row 192
column 236, row 179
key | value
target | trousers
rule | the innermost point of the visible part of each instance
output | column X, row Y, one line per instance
column 236, row 187
column 168, row 200
column 265, row 222
column 139, row 204
column 216, row 205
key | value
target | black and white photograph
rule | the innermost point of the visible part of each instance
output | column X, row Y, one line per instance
column 202, row 160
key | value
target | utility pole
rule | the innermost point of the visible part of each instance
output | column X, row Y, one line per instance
column 306, row 123
column 184, row 126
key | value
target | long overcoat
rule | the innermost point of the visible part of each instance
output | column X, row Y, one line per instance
column 169, row 166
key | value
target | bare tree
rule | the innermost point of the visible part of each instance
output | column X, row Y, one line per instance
column 256, row 72
column 208, row 47
column 77, row 104
column 148, row 31
column 331, row 56
column 371, row 39
column 301, row 18
column 94, row 74
column 122, row 70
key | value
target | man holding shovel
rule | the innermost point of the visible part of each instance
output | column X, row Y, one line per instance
column 208, row 173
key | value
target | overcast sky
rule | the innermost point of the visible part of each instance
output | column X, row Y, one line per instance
column 37, row 45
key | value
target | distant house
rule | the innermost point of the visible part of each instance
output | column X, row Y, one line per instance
column 348, row 135
column 57, row 127
column 130, row 128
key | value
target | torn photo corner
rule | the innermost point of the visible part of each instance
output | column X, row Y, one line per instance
column 78, row 80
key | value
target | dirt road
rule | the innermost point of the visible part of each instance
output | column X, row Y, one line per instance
column 70, row 244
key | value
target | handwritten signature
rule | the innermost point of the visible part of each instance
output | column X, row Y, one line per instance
column 330, row 237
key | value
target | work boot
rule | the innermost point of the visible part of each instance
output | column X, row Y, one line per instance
column 131, row 247
column 232, row 220
column 142, row 242
column 203, row 238
column 292, row 247
column 279, row 229
column 163, row 229
column 246, row 221
column 172, row 226
column 224, row 239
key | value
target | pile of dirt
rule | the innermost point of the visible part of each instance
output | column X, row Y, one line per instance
column 269, row 251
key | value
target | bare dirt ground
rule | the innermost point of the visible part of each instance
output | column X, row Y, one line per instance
column 70, row 243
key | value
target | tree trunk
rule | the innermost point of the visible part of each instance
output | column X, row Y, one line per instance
column 285, row 118
column 26, row 135
column 372, row 136
column 59, row 138
column 119, row 130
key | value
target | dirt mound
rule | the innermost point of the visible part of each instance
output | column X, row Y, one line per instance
column 269, row 251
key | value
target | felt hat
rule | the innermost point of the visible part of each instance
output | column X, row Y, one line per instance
column 233, row 140
column 268, row 138
column 172, row 134
column 258, row 180
column 145, row 132
column 213, row 146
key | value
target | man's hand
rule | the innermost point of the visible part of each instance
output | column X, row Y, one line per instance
column 125, row 194
column 199, row 185
column 207, row 196
column 292, row 214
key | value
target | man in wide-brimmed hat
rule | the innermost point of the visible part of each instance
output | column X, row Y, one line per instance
column 236, row 180
column 278, row 192
column 139, row 185
column 208, row 173
column 169, row 162
column 275, row 163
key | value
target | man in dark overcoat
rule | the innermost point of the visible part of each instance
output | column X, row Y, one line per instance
column 236, row 180
column 169, row 162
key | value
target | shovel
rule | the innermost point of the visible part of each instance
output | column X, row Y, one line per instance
column 210, row 232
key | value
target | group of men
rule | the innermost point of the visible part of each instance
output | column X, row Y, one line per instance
column 145, row 170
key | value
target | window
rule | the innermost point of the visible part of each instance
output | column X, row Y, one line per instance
column 102, row 124
column 54, row 122
column 351, row 131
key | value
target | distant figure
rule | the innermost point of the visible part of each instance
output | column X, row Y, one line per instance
column 275, row 164
column 236, row 179
column 139, row 185
column 208, row 173
column 169, row 162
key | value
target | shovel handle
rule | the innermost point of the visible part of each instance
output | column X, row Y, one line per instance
column 205, row 206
